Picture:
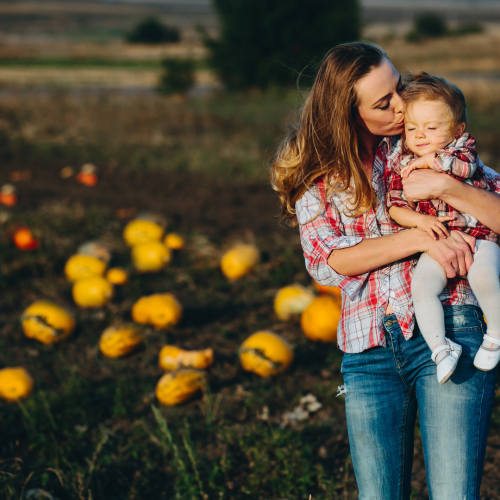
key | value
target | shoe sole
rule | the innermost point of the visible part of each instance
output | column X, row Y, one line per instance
column 452, row 372
column 486, row 369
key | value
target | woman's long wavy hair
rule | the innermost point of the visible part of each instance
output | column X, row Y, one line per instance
column 324, row 142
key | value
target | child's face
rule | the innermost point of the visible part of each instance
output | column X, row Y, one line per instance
column 428, row 127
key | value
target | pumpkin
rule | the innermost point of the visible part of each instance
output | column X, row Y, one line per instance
column 117, row 276
column 332, row 290
column 176, row 387
column 239, row 261
column 83, row 266
column 119, row 340
column 95, row 249
column 265, row 353
column 172, row 358
column 150, row 257
column 47, row 322
column 67, row 172
column 291, row 300
column 161, row 310
column 140, row 231
column 23, row 239
column 92, row 292
column 320, row 319
column 15, row 383
column 8, row 195
column 174, row 241
column 87, row 175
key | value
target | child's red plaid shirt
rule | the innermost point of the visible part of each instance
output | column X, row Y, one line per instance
column 365, row 297
column 459, row 160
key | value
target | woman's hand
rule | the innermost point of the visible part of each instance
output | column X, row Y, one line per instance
column 454, row 253
column 426, row 184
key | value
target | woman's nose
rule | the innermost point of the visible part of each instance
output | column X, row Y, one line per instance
column 399, row 105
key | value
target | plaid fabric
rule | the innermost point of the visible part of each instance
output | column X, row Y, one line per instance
column 365, row 297
column 458, row 159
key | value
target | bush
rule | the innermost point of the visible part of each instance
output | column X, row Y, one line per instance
column 265, row 42
column 151, row 30
column 429, row 24
column 468, row 29
column 177, row 76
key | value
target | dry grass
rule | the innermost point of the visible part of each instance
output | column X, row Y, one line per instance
column 228, row 135
column 14, row 48
column 451, row 54
column 13, row 78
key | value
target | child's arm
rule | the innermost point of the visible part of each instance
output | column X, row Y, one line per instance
column 427, row 223
column 459, row 160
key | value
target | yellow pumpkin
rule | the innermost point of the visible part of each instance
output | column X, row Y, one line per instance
column 150, row 257
column 332, row 290
column 95, row 249
column 117, row 276
column 83, row 266
column 320, row 320
column 174, row 241
column 140, row 231
column 266, row 354
column 176, row 387
column 161, row 310
column 172, row 358
column 118, row 340
column 92, row 292
column 239, row 261
column 47, row 322
column 291, row 300
column 15, row 383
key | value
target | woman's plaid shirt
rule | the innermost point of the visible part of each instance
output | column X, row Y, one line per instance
column 365, row 297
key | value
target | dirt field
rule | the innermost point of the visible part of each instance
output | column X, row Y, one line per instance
column 93, row 428
column 109, row 401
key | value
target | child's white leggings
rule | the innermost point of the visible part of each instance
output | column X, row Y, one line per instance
column 429, row 280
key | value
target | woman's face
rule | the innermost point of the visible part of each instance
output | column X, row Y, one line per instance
column 380, row 110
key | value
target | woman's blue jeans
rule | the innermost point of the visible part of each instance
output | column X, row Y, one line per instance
column 384, row 388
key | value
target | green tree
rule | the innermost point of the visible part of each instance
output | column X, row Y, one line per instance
column 177, row 77
column 269, row 42
column 151, row 30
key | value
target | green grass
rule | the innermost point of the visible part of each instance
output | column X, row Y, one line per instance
column 86, row 63
column 93, row 428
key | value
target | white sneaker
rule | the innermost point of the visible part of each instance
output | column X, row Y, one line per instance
column 487, row 358
column 447, row 365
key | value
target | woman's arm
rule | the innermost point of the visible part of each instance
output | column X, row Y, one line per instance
column 481, row 204
column 451, row 253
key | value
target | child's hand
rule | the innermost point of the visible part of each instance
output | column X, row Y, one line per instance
column 414, row 165
column 433, row 226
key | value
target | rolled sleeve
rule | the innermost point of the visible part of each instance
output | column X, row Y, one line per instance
column 396, row 196
column 459, row 159
column 320, row 234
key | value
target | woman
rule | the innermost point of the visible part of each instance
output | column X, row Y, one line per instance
column 331, row 173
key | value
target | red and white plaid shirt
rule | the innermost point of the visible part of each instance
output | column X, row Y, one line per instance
column 365, row 297
column 458, row 159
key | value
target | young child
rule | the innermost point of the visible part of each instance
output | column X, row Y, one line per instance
column 435, row 122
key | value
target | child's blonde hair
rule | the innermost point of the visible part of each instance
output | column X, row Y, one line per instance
column 423, row 86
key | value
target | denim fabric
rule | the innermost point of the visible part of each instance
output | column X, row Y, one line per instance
column 384, row 388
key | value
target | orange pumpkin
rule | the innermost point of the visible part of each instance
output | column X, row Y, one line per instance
column 331, row 290
column 23, row 239
column 320, row 319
